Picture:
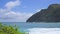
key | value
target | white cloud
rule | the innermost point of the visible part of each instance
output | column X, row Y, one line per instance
column 12, row 4
column 7, row 15
column 14, row 16
column 44, row 31
column 38, row 10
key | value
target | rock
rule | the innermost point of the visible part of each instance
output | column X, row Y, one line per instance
column 51, row 14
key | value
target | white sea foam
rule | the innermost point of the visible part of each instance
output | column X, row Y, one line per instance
column 44, row 30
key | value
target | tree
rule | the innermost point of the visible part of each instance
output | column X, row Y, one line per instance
column 5, row 29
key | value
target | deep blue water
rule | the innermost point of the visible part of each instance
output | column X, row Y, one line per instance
column 26, row 25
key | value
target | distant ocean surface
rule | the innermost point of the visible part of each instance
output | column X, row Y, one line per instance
column 26, row 26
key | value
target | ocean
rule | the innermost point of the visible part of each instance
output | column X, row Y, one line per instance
column 36, row 28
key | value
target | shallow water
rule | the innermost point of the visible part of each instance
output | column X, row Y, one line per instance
column 32, row 25
column 25, row 25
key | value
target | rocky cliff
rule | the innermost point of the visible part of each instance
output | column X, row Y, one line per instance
column 51, row 14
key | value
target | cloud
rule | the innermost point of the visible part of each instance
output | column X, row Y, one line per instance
column 12, row 4
column 44, row 31
column 38, row 10
column 7, row 15
column 14, row 16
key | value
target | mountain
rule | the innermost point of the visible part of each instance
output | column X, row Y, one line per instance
column 51, row 14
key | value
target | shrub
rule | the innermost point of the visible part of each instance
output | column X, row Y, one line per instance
column 5, row 29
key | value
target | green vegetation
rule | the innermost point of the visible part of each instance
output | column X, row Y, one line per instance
column 5, row 29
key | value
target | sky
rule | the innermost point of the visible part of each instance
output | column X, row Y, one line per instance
column 21, row 10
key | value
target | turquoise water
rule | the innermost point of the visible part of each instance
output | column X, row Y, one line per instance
column 25, row 25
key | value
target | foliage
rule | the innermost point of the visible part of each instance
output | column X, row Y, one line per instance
column 5, row 29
